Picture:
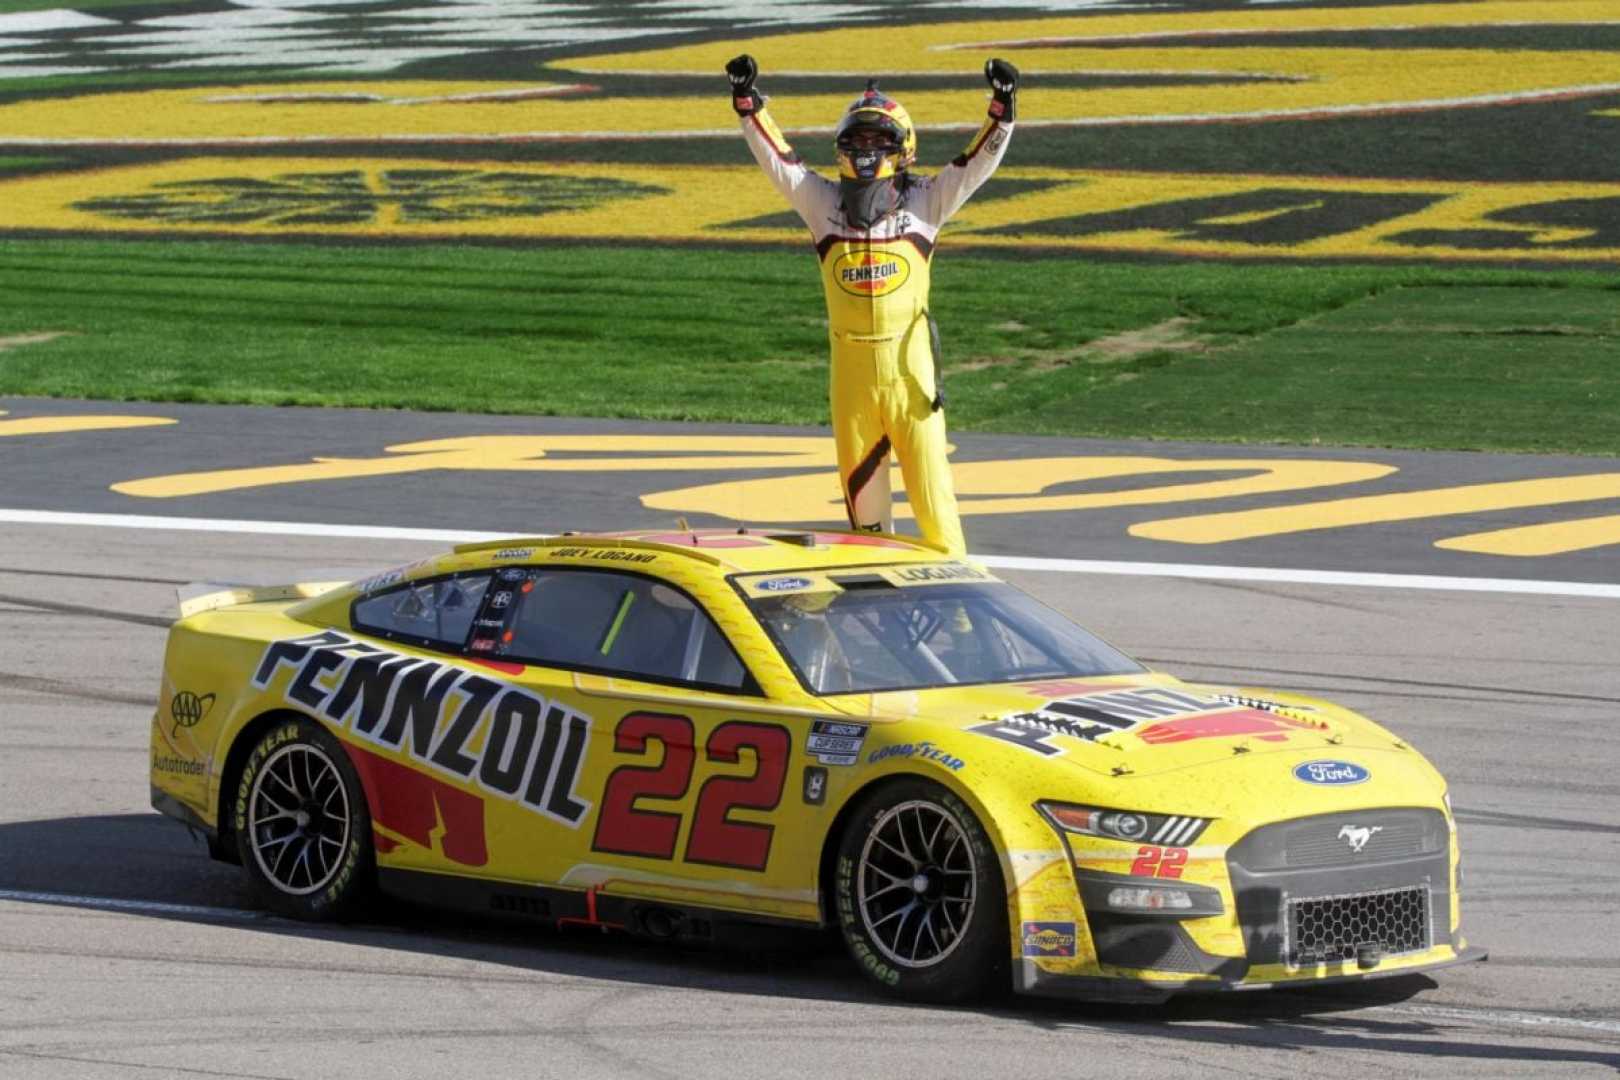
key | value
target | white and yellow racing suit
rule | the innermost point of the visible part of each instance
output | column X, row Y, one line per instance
column 883, row 387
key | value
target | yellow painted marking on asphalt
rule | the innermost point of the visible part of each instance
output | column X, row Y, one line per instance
column 60, row 425
column 1554, row 538
column 1025, row 486
column 1018, row 487
column 1378, row 509
column 512, row 453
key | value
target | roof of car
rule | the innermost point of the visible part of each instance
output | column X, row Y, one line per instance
column 735, row 550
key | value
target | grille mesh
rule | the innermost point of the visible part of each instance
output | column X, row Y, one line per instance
column 1324, row 844
column 1328, row 930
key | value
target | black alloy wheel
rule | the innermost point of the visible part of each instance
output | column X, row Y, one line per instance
column 302, row 825
column 918, row 895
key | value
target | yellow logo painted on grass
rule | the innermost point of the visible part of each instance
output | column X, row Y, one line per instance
column 1023, row 486
column 870, row 273
column 1076, row 210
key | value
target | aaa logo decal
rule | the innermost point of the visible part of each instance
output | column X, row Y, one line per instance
column 870, row 273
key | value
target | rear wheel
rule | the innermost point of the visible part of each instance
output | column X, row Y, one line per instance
column 919, row 895
column 302, row 825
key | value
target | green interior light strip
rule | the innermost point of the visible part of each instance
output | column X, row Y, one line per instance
column 618, row 622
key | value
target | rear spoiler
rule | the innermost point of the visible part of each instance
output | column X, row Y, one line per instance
column 211, row 596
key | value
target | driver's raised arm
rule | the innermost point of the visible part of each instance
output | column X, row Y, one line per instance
column 813, row 196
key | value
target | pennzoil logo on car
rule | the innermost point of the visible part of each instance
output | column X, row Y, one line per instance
column 462, row 724
column 1331, row 773
column 1049, row 939
column 870, row 273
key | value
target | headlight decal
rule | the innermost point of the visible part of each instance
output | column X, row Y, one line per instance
column 1128, row 825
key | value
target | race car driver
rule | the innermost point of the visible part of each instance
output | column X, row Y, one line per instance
column 874, row 230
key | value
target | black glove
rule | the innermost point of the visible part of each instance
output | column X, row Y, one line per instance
column 742, row 71
column 1003, row 79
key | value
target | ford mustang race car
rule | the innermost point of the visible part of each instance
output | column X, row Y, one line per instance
column 686, row 735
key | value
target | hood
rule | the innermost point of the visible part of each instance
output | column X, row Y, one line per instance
column 1131, row 724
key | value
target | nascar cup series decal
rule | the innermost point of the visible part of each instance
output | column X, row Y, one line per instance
column 1049, row 939
column 1331, row 773
column 835, row 742
column 870, row 273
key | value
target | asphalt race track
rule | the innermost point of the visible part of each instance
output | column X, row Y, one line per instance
column 127, row 953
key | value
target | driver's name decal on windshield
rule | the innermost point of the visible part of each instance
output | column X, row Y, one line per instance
column 1156, row 715
column 948, row 572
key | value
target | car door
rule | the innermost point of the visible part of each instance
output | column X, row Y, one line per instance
column 687, row 763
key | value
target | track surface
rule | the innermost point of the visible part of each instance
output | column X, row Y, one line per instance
column 127, row 953
column 1514, row 697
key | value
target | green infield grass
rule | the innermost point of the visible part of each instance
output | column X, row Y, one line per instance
column 1418, row 357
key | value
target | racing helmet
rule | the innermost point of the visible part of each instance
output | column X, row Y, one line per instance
column 875, row 139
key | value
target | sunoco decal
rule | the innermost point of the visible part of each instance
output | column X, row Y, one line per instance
column 1331, row 773
column 531, row 750
column 870, row 273
column 1049, row 939
column 834, row 742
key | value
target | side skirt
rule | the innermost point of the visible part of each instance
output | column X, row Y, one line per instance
column 536, row 904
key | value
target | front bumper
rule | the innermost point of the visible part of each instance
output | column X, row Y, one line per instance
column 1036, row 982
column 1299, row 905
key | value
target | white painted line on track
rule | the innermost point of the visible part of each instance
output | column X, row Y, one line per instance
column 1599, row 590
column 1305, row 577
column 1500, row 1017
column 139, row 907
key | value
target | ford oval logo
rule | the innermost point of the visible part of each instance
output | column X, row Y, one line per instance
column 1331, row 773
column 784, row 584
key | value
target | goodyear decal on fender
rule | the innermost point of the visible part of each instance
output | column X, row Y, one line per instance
column 464, row 725
column 870, row 273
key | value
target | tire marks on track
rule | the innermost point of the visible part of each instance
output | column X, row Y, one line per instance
column 57, row 606
column 36, row 684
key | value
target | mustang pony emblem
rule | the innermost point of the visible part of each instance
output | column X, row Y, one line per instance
column 1357, row 836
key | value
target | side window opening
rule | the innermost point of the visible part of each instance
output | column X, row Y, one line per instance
column 624, row 624
column 439, row 612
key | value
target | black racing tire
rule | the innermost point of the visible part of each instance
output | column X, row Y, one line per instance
column 918, row 895
column 302, row 825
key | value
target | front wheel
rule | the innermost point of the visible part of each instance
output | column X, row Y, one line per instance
column 919, row 896
column 302, row 825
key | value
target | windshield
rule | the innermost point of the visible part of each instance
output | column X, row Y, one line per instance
column 872, row 636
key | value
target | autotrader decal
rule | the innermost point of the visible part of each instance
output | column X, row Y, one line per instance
column 531, row 750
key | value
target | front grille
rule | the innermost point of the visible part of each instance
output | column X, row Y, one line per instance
column 1346, row 839
column 1331, row 929
column 1388, row 836
column 1298, row 897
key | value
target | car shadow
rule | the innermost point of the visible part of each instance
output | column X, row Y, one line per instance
column 97, row 862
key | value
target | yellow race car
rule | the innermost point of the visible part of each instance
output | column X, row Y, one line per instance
column 688, row 735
